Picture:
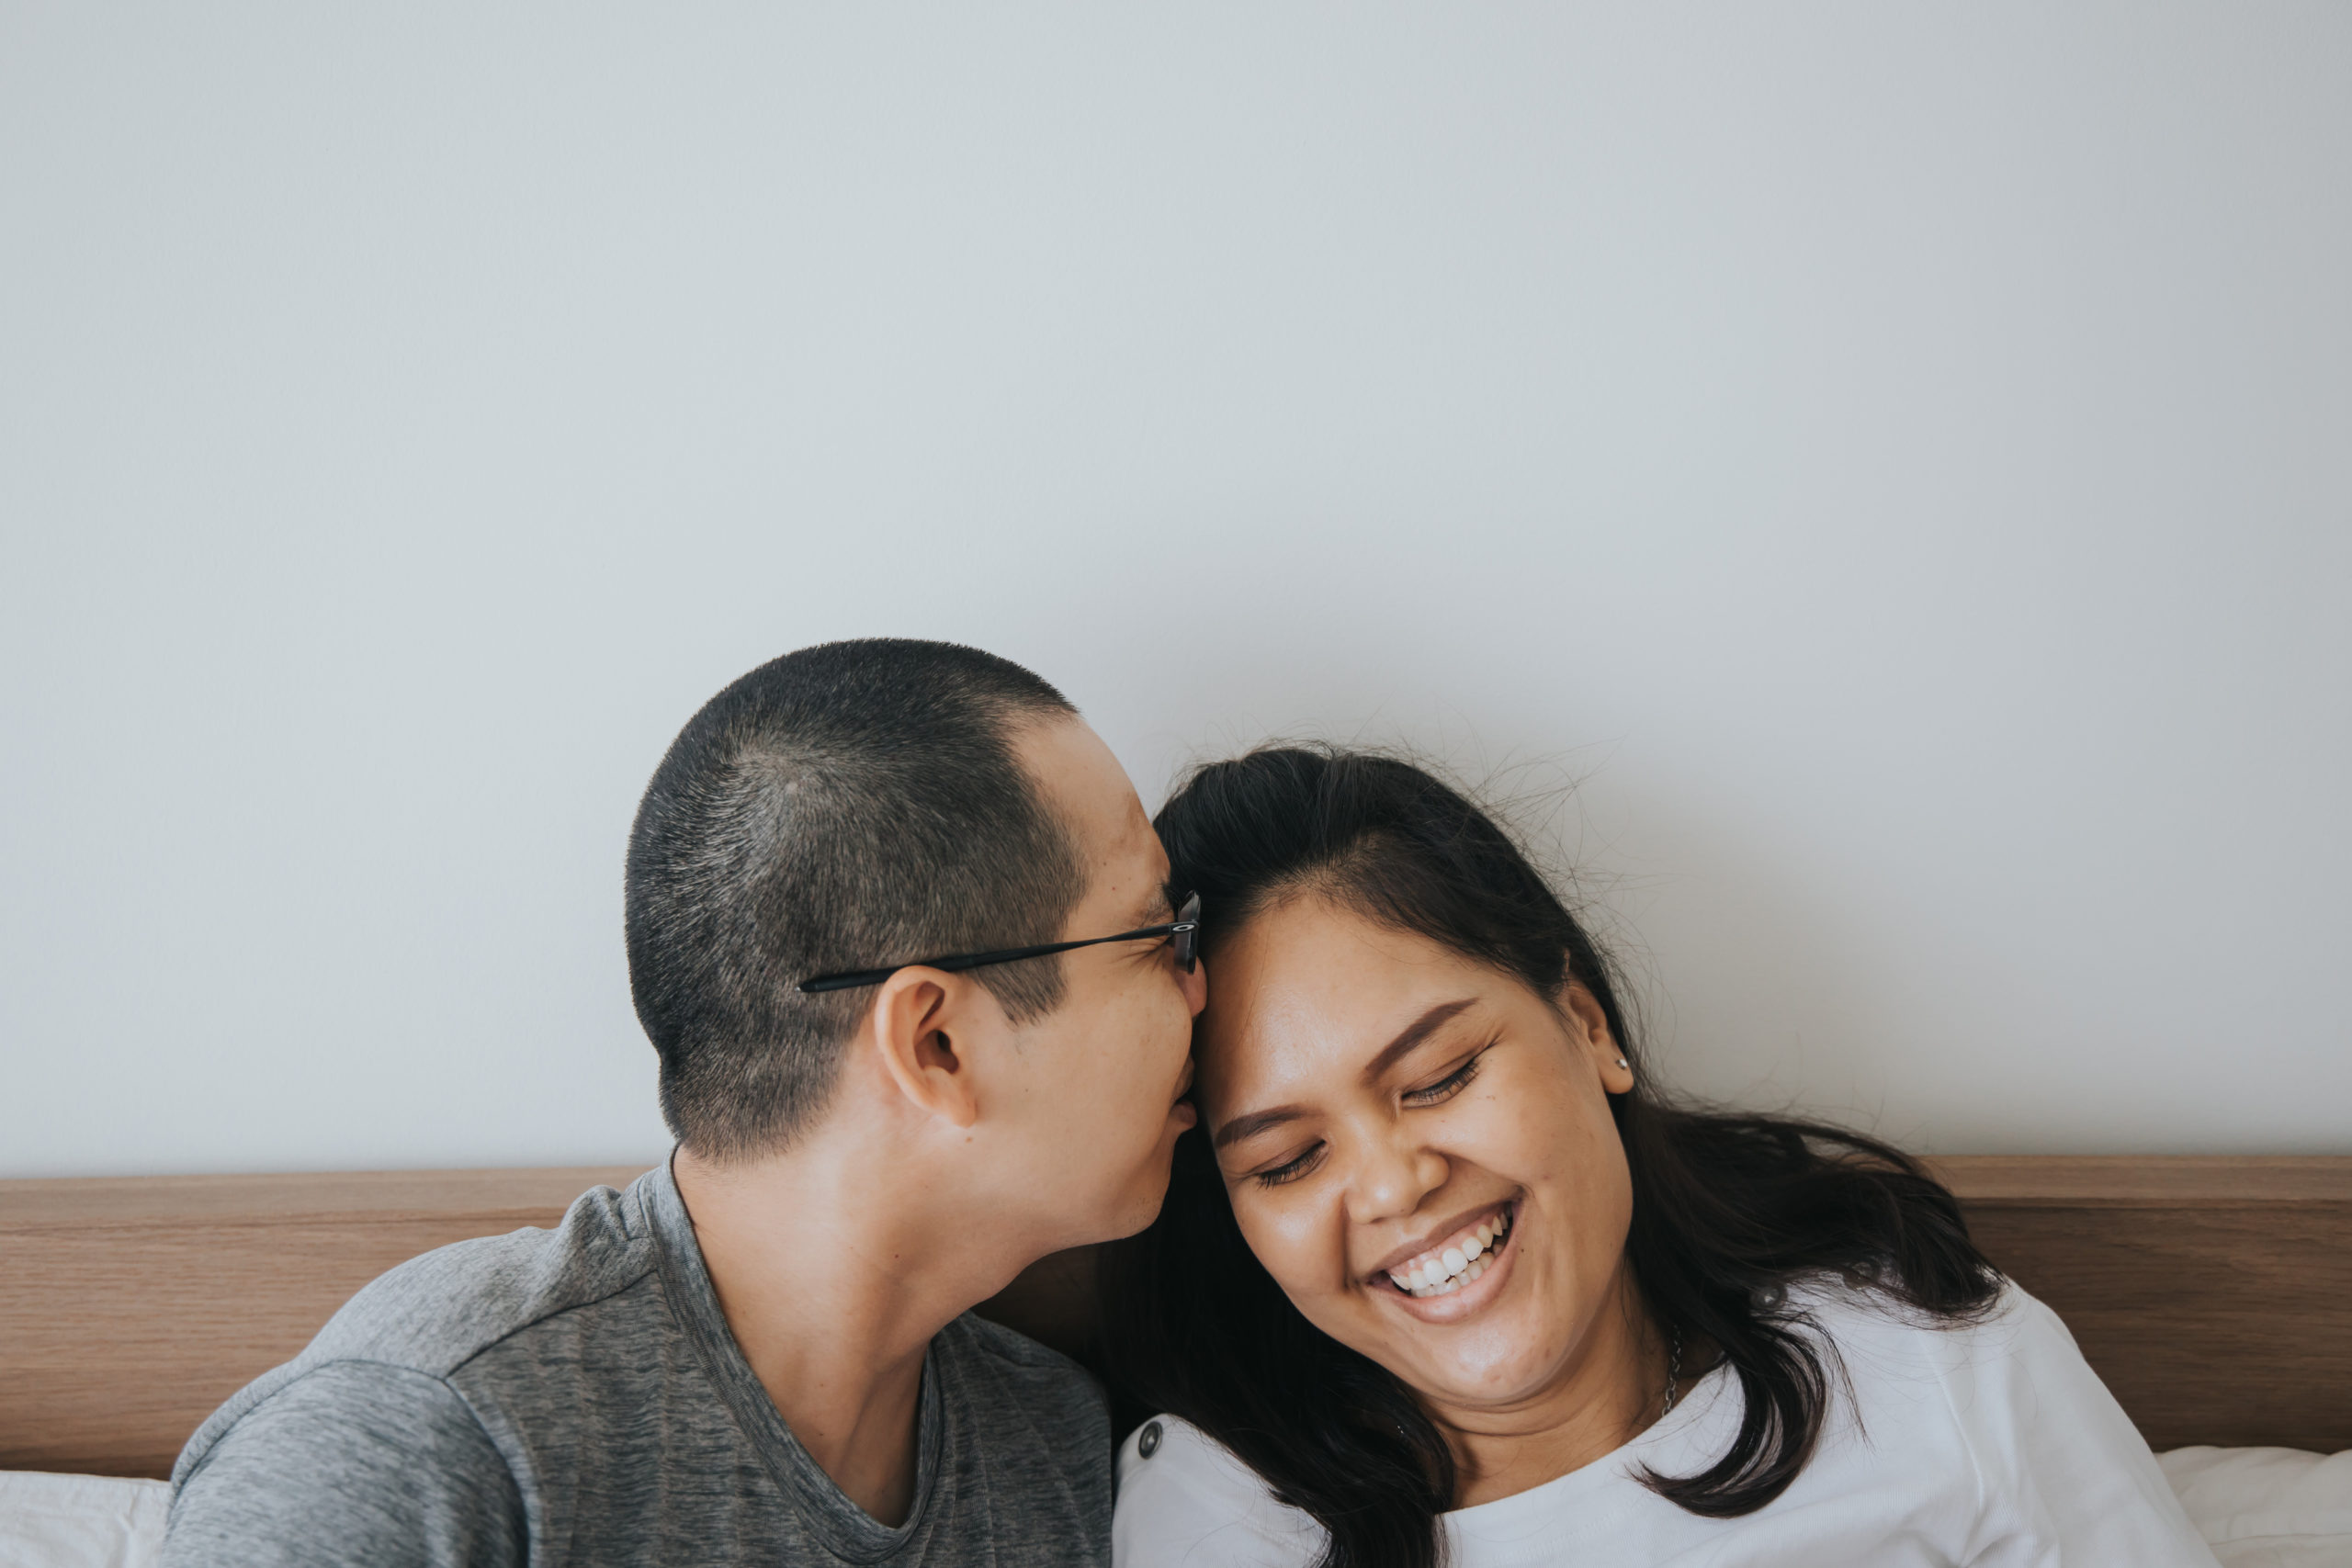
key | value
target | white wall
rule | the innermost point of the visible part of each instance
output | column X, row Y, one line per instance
column 1900, row 457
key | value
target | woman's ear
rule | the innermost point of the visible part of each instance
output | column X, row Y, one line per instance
column 917, row 1021
column 1587, row 1017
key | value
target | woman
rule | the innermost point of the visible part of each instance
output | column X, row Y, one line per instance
column 1441, row 1276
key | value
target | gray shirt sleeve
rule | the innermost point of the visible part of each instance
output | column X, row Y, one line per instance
column 355, row 1462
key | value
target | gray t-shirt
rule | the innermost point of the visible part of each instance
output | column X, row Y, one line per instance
column 574, row 1396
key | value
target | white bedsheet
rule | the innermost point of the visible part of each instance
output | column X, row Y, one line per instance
column 2267, row 1507
column 80, row 1521
column 2258, row 1507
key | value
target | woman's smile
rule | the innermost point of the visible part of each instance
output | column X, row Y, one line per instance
column 1456, row 1275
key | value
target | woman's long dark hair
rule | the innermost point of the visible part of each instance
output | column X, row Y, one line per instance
column 1727, row 1209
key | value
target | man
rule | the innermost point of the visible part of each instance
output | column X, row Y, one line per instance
column 760, row 1353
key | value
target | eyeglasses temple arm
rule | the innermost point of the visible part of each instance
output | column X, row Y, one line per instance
column 964, row 960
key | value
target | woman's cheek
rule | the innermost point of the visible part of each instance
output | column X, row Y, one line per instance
column 1493, row 1131
column 1268, row 1230
column 1313, row 1244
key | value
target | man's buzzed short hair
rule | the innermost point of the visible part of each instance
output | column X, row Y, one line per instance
column 842, row 808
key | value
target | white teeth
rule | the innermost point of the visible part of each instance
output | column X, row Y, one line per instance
column 1456, row 1266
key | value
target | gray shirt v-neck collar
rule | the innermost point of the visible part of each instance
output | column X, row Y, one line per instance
column 841, row 1525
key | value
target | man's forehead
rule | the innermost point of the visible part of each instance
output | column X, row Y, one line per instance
column 1086, row 787
column 1133, row 869
column 1076, row 772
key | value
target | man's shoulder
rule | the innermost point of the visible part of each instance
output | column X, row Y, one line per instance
column 439, row 1311
column 973, row 1335
column 974, row 1340
column 352, row 1461
column 432, row 1315
column 1001, row 1368
column 1044, row 1421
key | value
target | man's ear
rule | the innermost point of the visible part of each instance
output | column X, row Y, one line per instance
column 918, row 1021
column 1586, row 1016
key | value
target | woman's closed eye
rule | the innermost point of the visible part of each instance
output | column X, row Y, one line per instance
column 1290, row 1170
column 1426, row 1095
column 1453, row 1083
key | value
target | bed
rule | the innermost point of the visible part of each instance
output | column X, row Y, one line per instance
column 2214, row 1295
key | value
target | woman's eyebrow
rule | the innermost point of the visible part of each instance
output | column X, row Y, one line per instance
column 1421, row 1028
column 1257, row 1122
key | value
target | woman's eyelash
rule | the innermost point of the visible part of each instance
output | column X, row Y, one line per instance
column 1452, row 1083
column 1289, row 1171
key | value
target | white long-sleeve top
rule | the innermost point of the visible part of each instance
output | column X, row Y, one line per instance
column 1990, row 1444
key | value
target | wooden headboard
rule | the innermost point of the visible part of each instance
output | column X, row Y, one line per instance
column 2214, row 1295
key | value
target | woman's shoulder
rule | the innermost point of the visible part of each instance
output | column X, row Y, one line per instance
column 1991, row 1415
column 1186, row 1497
column 2007, row 1379
column 1959, row 1365
column 1169, row 1451
column 1872, row 1328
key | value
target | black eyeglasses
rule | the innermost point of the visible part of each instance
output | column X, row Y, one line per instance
column 1185, row 927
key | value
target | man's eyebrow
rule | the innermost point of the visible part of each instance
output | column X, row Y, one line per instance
column 1421, row 1028
column 1257, row 1122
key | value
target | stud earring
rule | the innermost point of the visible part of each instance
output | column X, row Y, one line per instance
column 1622, row 1063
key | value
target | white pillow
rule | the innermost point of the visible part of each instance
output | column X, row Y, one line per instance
column 80, row 1521
column 2267, row 1507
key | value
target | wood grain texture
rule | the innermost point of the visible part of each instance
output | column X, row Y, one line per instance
column 130, row 1308
column 2213, row 1295
column 2090, row 1181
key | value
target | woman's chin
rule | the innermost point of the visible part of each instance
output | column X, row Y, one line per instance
column 1488, row 1342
